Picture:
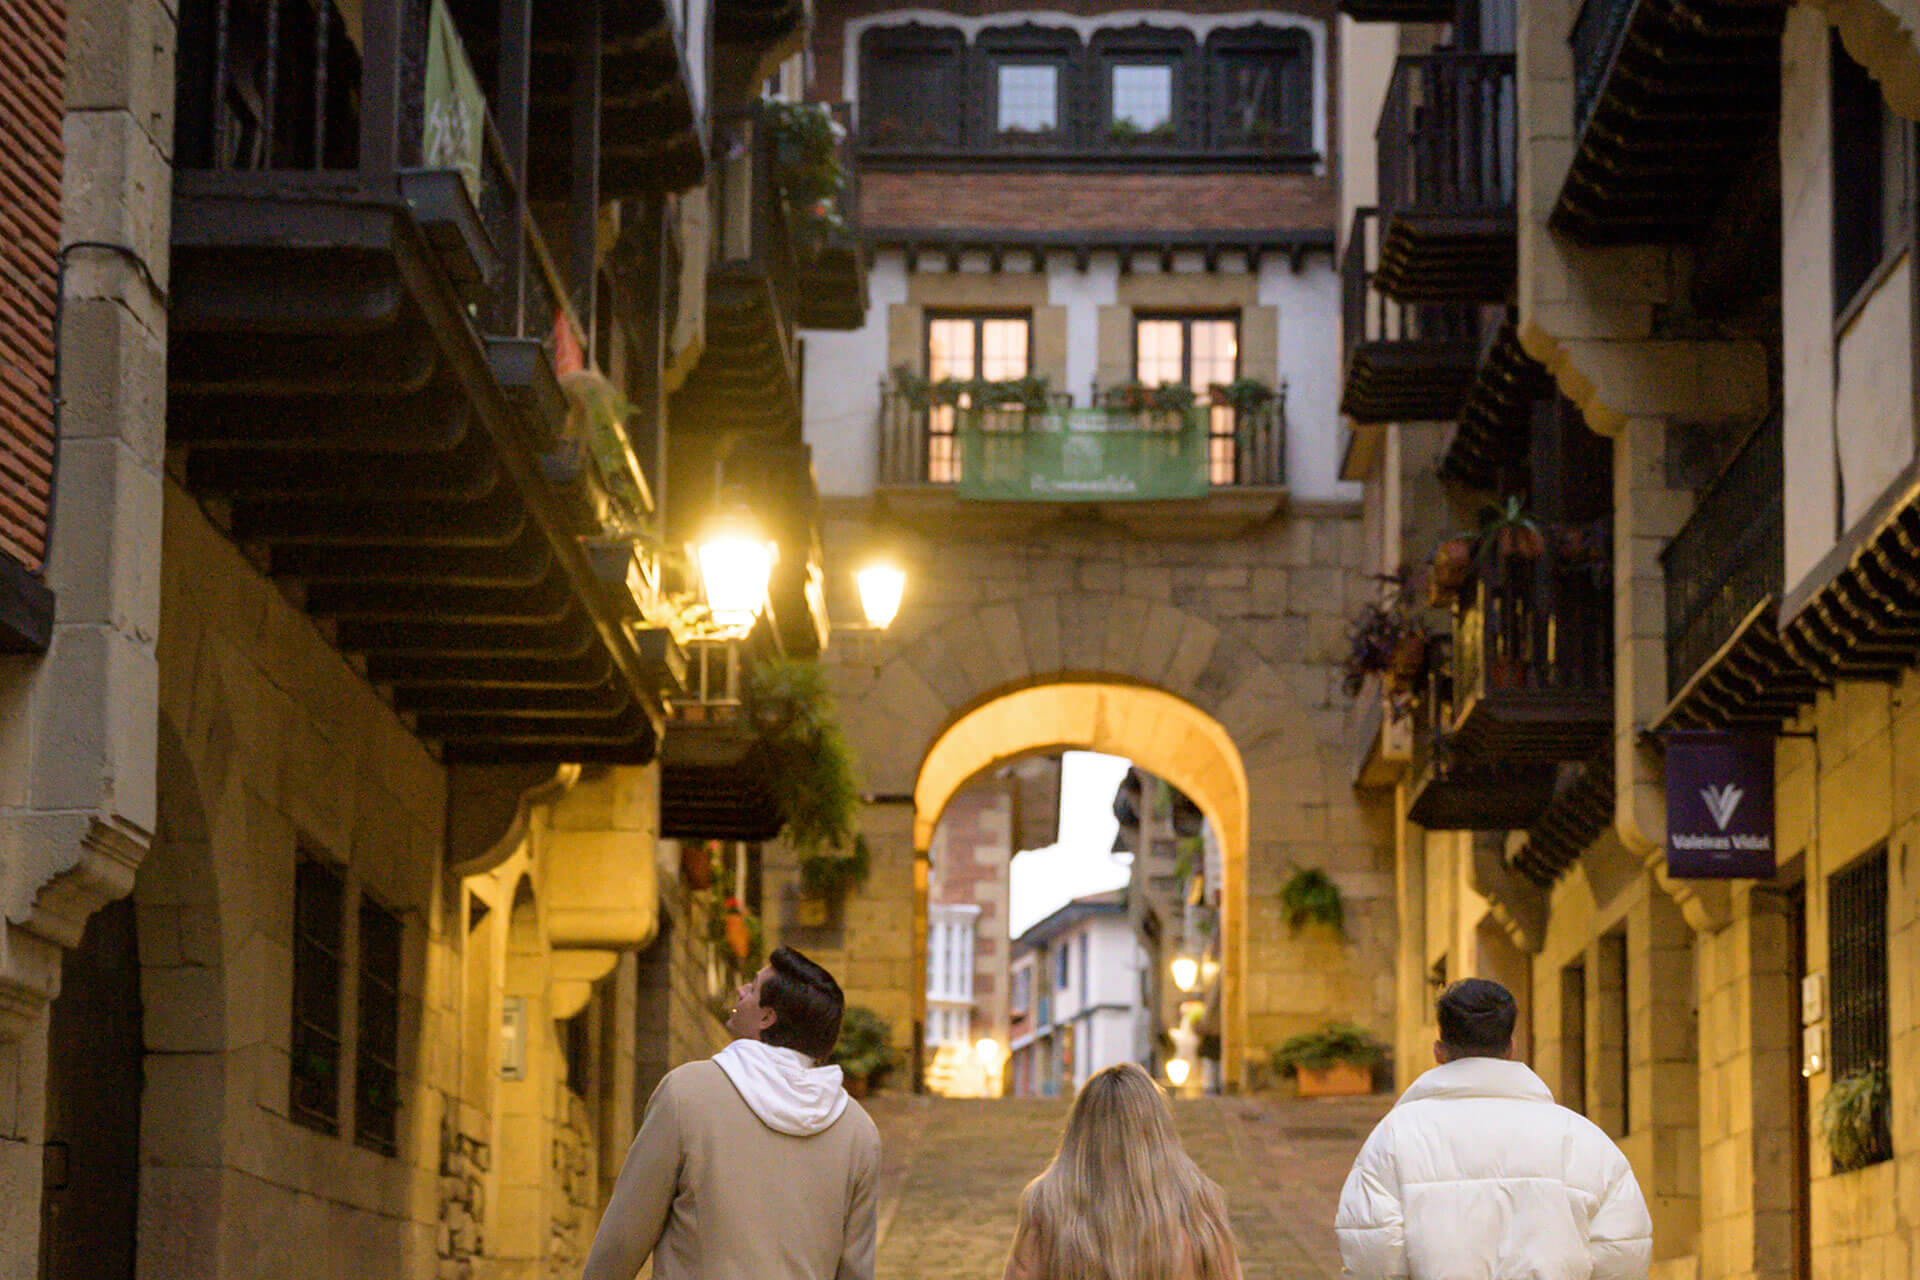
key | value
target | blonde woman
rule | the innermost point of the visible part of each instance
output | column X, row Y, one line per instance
column 1122, row 1200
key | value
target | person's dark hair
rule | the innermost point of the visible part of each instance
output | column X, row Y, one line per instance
column 1476, row 1018
column 806, row 1004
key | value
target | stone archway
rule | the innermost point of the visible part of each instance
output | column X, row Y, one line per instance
column 1163, row 734
column 1244, row 642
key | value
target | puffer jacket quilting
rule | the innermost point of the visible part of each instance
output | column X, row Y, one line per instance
column 1476, row 1174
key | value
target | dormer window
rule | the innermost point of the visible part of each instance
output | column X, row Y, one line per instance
column 1262, row 89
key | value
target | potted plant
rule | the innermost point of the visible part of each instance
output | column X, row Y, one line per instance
column 865, row 1052
column 1450, row 568
column 696, row 863
column 1854, row 1119
column 1310, row 896
column 1335, row 1061
column 1510, row 532
column 1388, row 641
column 1243, row 395
column 810, row 769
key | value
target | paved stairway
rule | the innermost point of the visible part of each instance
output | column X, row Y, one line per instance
column 954, row 1169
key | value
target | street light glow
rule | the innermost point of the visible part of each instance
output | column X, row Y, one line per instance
column 734, row 568
column 1186, row 972
column 881, row 586
column 1178, row 1069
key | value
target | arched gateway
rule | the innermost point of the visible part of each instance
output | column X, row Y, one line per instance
column 1213, row 663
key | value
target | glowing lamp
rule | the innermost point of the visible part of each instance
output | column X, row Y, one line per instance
column 1186, row 972
column 988, row 1050
column 881, row 586
column 1178, row 1069
column 734, row 568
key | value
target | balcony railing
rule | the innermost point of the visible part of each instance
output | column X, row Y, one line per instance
column 1450, row 787
column 1533, row 650
column 1405, row 361
column 1447, row 159
column 833, row 291
column 1727, row 558
column 1060, row 453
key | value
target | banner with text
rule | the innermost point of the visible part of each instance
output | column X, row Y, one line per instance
column 1719, row 805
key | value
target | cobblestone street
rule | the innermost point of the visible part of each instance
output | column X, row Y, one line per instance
column 954, row 1169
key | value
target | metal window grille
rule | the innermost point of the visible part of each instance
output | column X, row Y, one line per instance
column 1857, row 979
column 376, row 1058
column 319, row 908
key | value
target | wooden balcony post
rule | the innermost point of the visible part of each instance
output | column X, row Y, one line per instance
column 583, row 231
column 511, row 94
column 380, row 52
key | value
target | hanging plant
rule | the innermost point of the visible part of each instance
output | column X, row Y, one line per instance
column 1389, row 639
column 1854, row 1119
column 1138, row 397
column 597, row 416
column 1311, row 897
column 738, row 934
column 807, row 169
column 810, row 770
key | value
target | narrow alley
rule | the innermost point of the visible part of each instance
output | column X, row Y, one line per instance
column 954, row 1169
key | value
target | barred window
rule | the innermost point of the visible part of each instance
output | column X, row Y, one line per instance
column 319, row 910
column 1857, row 981
column 376, row 1073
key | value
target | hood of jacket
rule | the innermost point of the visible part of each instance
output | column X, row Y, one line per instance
column 1479, row 1078
column 782, row 1086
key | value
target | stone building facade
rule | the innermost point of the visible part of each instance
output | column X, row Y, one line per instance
column 1740, row 336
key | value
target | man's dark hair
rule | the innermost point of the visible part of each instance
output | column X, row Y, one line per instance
column 1476, row 1018
column 806, row 1004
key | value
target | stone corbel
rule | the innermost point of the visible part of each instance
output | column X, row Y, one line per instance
column 489, row 808
column 598, row 871
column 571, row 978
column 1514, row 902
column 1885, row 39
column 110, row 855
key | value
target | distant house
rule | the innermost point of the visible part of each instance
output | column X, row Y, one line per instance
column 1075, row 995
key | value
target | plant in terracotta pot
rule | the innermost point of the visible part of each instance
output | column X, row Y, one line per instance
column 865, row 1053
column 1450, row 569
column 1243, row 395
column 1337, row 1060
column 1389, row 640
column 696, row 863
column 1509, row 532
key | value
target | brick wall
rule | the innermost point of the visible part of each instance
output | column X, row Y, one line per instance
column 32, row 92
column 971, row 858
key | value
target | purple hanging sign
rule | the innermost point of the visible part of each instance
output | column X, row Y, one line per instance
column 1719, row 805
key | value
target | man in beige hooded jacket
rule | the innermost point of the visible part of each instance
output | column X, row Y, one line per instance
column 752, row 1165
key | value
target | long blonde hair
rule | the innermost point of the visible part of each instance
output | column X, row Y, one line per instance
column 1122, row 1200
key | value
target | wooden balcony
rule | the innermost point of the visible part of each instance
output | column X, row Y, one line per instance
column 713, row 777
column 1533, row 658
column 748, row 377
column 1405, row 362
column 1491, row 439
column 1671, row 100
column 362, row 384
column 1447, row 157
column 1450, row 789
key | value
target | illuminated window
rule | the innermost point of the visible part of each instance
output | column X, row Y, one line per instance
column 1198, row 352
column 962, row 348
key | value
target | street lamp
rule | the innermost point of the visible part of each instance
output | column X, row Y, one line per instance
column 1186, row 972
column 1178, row 1069
column 881, row 586
column 735, row 566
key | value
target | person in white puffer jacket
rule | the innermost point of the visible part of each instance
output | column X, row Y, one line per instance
column 1477, row 1174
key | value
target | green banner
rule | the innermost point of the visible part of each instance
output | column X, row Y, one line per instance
column 1082, row 455
column 455, row 128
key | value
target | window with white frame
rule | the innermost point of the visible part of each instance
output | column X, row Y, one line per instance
column 950, row 953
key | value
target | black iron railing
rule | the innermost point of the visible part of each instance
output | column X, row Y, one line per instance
column 753, row 229
column 1595, row 39
column 1369, row 315
column 1446, row 135
column 1535, row 619
column 1728, row 557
